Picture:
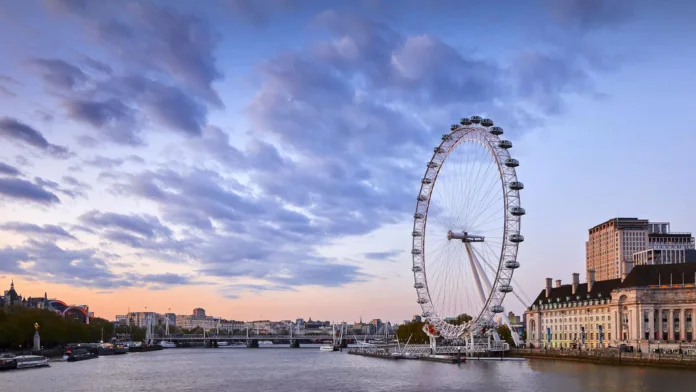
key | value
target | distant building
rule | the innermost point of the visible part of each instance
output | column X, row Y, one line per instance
column 11, row 297
column 171, row 317
column 199, row 312
column 613, row 246
column 77, row 312
column 140, row 319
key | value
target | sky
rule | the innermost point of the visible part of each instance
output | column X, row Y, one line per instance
column 261, row 158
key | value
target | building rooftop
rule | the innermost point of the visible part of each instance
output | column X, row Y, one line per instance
column 640, row 276
column 623, row 223
column 660, row 274
column 600, row 289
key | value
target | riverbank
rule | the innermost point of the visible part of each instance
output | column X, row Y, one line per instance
column 611, row 357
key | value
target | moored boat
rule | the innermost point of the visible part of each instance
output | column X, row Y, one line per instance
column 31, row 361
column 106, row 349
column 120, row 349
column 265, row 343
column 145, row 348
column 79, row 354
column 327, row 348
column 8, row 362
column 167, row 344
column 223, row 344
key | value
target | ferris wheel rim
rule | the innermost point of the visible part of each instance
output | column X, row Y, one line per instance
column 497, row 149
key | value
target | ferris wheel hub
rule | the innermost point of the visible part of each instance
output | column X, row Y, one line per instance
column 464, row 236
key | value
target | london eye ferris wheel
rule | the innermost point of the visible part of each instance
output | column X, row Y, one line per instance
column 466, row 229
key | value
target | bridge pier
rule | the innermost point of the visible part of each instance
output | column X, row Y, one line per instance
column 295, row 343
column 252, row 343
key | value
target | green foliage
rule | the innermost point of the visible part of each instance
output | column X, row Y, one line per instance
column 17, row 328
column 414, row 330
column 461, row 319
column 506, row 335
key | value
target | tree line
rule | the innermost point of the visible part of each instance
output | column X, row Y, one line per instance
column 414, row 331
column 17, row 328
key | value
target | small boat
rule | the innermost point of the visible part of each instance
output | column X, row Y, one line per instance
column 327, row 348
column 265, row 343
column 31, row 361
column 120, row 349
column 79, row 354
column 167, row 344
column 106, row 349
column 8, row 361
column 145, row 347
column 223, row 344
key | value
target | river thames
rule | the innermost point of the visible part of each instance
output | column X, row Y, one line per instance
column 267, row 369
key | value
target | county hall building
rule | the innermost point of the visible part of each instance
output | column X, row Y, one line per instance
column 651, row 302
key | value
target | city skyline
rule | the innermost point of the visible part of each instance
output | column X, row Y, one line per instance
column 144, row 167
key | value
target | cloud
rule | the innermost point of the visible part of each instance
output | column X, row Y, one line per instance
column 165, row 76
column 382, row 255
column 12, row 129
column 114, row 119
column 592, row 14
column 7, row 92
column 47, row 261
column 257, row 12
column 98, row 66
column 75, row 188
column 22, row 190
column 168, row 279
column 50, row 231
column 144, row 225
column 103, row 162
column 8, row 170
column 59, row 73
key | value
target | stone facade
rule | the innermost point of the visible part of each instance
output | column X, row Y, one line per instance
column 653, row 304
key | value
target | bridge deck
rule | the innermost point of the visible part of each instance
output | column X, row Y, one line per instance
column 271, row 337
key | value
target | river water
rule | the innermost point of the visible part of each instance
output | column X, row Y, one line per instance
column 270, row 369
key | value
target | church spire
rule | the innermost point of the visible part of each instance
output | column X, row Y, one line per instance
column 12, row 284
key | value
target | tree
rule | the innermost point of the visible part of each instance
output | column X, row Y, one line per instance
column 506, row 335
column 461, row 319
column 414, row 331
column 17, row 328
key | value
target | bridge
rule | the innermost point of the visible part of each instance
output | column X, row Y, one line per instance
column 203, row 337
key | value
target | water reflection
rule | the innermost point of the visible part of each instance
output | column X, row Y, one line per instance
column 310, row 370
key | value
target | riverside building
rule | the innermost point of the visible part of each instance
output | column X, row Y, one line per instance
column 651, row 305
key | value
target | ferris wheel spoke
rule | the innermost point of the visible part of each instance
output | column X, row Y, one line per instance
column 476, row 200
column 490, row 201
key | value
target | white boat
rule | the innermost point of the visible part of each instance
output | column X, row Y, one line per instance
column 405, row 355
column 265, row 343
column 327, row 348
column 223, row 344
column 30, row 361
column 167, row 344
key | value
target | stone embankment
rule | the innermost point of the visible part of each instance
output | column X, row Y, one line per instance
column 611, row 357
